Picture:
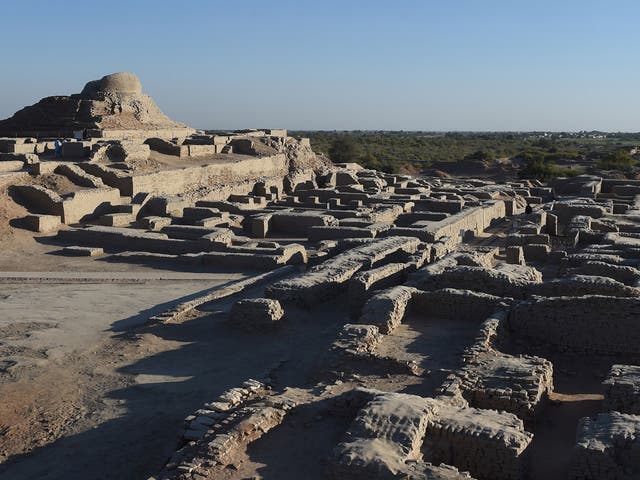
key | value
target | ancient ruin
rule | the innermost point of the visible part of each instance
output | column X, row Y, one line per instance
column 256, row 311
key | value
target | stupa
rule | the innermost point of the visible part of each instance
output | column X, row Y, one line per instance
column 111, row 107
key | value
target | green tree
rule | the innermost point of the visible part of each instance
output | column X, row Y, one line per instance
column 369, row 160
column 484, row 155
column 343, row 150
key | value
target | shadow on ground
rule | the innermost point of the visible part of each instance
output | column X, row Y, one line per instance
column 207, row 356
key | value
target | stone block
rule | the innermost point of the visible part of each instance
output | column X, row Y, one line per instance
column 536, row 252
column 515, row 255
column 75, row 251
column 256, row 313
column 155, row 223
column 42, row 223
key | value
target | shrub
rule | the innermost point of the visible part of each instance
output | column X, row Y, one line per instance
column 343, row 150
column 619, row 160
column 542, row 170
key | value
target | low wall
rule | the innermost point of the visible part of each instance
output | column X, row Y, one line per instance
column 84, row 203
column 586, row 324
column 110, row 176
column 327, row 280
column 40, row 198
column 299, row 223
column 508, row 281
column 78, row 176
column 129, row 239
column 190, row 178
column 454, row 304
column 473, row 220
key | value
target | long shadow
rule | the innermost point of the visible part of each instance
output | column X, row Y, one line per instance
column 163, row 388
column 577, row 388
column 441, row 343
column 186, row 264
column 138, row 320
column 32, row 207
column 170, row 264
column 302, row 445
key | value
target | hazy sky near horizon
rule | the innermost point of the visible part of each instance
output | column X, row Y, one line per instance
column 325, row 64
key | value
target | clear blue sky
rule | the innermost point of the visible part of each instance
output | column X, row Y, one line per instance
column 324, row 64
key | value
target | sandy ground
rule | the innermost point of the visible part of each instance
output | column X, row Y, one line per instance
column 73, row 376
column 119, row 406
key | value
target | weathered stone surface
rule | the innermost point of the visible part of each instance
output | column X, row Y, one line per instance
column 387, row 308
column 322, row 281
column 487, row 443
column 256, row 313
column 456, row 304
column 76, row 251
column 607, row 448
column 362, row 284
column 587, row 324
column 622, row 273
column 110, row 107
column 42, row 223
column 622, row 389
column 393, row 431
column 357, row 339
column 384, row 437
column 120, row 151
column 578, row 285
column 505, row 280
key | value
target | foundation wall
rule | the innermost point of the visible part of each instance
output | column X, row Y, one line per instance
column 179, row 181
column 588, row 324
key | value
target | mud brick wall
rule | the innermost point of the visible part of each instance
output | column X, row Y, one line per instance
column 179, row 181
column 607, row 448
column 474, row 220
column 586, row 324
column 487, row 443
column 450, row 303
column 622, row 389
column 84, row 203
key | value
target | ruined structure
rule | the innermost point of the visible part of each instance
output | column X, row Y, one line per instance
column 424, row 328
column 111, row 107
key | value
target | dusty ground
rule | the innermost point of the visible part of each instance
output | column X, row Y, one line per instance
column 116, row 408
column 75, row 375
column 89, row 391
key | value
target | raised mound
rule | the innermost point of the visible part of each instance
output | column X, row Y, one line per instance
column 113, row 106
